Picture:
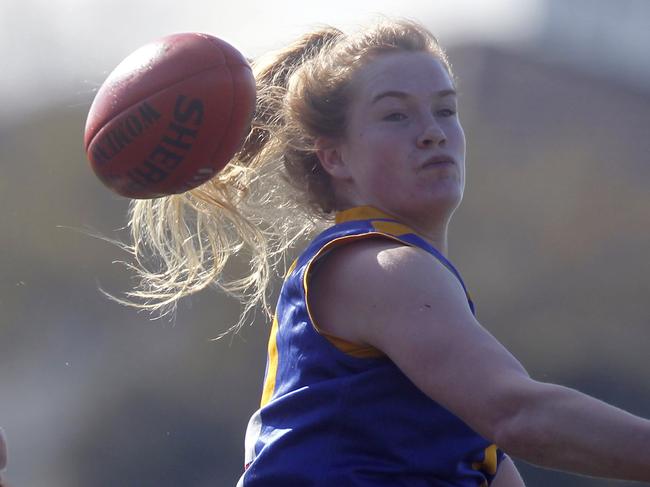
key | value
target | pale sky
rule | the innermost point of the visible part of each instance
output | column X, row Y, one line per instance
column 60, row 51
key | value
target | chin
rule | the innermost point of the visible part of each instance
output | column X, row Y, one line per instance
column 446, row 195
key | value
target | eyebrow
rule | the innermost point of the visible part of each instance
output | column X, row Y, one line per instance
column 403, row 94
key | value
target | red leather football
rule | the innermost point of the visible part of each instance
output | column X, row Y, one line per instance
column 170, row 116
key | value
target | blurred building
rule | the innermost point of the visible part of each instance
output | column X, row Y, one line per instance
column 603, row 37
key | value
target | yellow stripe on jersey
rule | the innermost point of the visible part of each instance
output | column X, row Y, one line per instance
column 272, row 371
column 292, row 267
column 489, row 463
column 361, row 213
column 391, row 228
column 353, row 349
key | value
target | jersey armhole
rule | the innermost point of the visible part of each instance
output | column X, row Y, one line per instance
column 349, row 348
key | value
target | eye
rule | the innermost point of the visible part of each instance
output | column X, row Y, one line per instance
column 447, row 112
column 395, row 117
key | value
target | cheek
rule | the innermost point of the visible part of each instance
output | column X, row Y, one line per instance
column 388, row 183
column 387, row 149
column 460, row 137
column 372, row 153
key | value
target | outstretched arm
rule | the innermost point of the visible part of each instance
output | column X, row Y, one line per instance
column 400, row 300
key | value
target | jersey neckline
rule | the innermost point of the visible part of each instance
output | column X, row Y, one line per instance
column 362, row 213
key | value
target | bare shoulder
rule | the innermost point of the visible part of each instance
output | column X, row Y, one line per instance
column 362, row 286
column 404, row 302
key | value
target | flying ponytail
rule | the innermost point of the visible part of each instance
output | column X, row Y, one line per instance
column 274, row 192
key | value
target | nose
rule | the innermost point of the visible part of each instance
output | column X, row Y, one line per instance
column 432, row 135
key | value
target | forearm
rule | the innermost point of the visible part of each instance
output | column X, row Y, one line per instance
column 564, row 429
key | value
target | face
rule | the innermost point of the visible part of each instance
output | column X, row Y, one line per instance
column 404, row 150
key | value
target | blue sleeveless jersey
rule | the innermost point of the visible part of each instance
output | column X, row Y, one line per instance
column 336, row 415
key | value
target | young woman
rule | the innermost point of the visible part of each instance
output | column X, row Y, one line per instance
column 378, row 373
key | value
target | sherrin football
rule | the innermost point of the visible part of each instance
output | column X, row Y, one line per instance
column 170, row 116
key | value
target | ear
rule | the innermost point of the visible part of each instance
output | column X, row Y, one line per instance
column 330, row 156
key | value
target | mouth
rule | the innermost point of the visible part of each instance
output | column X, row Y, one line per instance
column 438, row 161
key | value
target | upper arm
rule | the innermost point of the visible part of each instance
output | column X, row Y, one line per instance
column 404, row 302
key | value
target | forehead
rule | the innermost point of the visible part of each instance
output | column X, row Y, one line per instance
column 410, row 72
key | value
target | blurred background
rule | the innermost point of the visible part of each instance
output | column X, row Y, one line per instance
column 552, row 239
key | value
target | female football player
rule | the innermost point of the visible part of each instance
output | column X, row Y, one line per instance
column 378, row 372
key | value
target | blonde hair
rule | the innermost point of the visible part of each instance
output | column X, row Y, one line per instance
column 274, row 191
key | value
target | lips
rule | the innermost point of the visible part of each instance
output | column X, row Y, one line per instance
column 440, row 160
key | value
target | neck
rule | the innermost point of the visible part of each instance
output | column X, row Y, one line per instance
column 434, row 232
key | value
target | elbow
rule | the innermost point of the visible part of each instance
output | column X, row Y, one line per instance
column 523, row 429
column 520, row 438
